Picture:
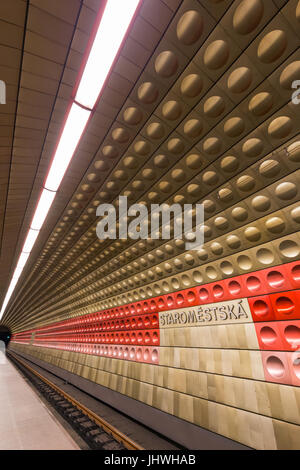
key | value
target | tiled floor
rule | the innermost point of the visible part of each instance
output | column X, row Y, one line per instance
column 25, row 422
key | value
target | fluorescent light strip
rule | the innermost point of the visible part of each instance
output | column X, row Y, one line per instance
column 113, row 27
column 30, row 240
column 114, row 24
column 17, row 273
column 71, row 135
column 42, row 209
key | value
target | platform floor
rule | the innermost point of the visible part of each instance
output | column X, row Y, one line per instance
column 25, row 421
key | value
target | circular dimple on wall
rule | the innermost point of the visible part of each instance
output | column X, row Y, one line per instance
column 194, row 190
column 221, row 223
column 239, row 214
column 197, row 276
column 165, row 186
column 218, row 291
column 225, row 195
column 294, row 151
column 130, row 162
column 269, row 168
column 286, row 191
column 185, row 280
column 292, row 335
column 275, row 367
column 290, row 73
column 260, row 308
column 233, row 127
column 253, row 283
column 191, row 297
column 211, row 272
column 234, row 287
column 209, row 206
column 296, row 366
column 154, row 355
column 216, row 248
column 109, row 151
column 155, row 130
column 202, row 254
column 214, row 106
column 239, row 80
column 120, row 175
column 147, row 93
column 247, row 16
column 265, row 256
column 289, row 249
column 193, row 128
column 210, row 177
column 244, row 262
column 275, row 279
column 132, row 115
column 161, row 161
column 285, row 306
column 189, row 27
column 141, row 147
column 165, row 286
column 171, row 110
column 191, row 85
column 101, row 165
column 175, row 146
column 227, row 268
column 120, row 135
column 93, row 177
column 194, row 161
column 166, row 64
column 245, row 183
column 203, row 294
column 212, row 145
column 229, row 164
column 261, row 203
column 138, row 185
column 189, row 259
column 261, row 103
column 233, row 242
column 295, row 214
column 216, row 54
column 178, row 175
column 275, row 225
column 280, row 127
column 268, row 335
column 272, row 46
column 253, row 147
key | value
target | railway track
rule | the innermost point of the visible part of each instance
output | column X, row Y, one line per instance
column 94, row 430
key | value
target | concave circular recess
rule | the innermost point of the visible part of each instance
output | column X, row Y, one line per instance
column 285, row 305
column 296, row 366
column 268, row 335
column 292, row 335
column 260, row 308
column 275, row 367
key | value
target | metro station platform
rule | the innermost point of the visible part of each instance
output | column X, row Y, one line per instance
column 25, row 422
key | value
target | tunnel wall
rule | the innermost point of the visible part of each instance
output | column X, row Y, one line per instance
column 216, row 355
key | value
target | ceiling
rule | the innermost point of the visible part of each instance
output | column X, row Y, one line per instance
column 197, row 109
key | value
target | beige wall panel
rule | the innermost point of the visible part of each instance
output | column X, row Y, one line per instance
column 237, row 336
column 287, row 435
column 258, row 397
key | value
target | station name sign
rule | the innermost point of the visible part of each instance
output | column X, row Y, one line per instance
column 233, row 311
